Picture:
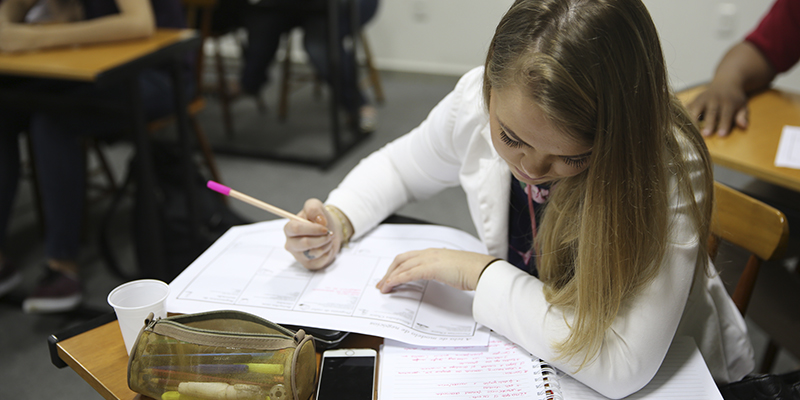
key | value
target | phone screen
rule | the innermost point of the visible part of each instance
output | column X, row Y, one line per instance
column 346, row 378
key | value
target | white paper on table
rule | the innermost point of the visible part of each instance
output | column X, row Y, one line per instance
column 249, row 270
column 788, row 154
column 683, row 375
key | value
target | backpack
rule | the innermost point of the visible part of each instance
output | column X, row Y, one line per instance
column 182, row 241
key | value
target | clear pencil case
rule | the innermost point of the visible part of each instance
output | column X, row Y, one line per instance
column 221, row 355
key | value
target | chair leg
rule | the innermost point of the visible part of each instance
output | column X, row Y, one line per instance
column 105, row 167
column 286, row 67
column 205, row 147
column 224, row 94
column 770, row 354
column 374, row 77
column 747, row 281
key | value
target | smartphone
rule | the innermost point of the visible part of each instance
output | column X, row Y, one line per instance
column 347, row 374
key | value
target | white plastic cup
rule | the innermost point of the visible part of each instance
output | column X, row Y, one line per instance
column 133, row 302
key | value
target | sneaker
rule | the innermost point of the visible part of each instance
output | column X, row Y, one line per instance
column 56, row 292
column 10, row 278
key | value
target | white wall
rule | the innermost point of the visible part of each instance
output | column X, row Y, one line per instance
column 451, row 36
column 434, row 36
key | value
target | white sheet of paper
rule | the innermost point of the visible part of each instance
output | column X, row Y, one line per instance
column 682, row 375
column 788, row 154
column 502, row 370
column 248, row 269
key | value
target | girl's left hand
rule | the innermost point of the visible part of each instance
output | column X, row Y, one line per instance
column 457, row 268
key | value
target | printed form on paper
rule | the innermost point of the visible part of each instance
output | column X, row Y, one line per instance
column 249, row 270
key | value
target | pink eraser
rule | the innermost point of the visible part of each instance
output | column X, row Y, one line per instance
column 218, row 187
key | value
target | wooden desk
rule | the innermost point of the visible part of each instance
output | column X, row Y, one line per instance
column 95, row 63
column 118, row 63
column 752, row 151
column 98, row 356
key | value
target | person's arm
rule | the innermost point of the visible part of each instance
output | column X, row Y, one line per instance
column 512, row 303
column 415, row 166
column 418, row 165
column 742, row 71
column 14, row 11
column 134, row 20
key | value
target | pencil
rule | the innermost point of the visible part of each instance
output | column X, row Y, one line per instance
column 218, row 187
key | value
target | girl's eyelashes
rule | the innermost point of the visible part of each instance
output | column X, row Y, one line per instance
column 508, row 140
column 575, row 162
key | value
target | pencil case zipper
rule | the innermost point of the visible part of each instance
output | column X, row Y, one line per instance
column 258, row 341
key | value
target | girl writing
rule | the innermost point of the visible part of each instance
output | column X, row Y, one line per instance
column 587, row 182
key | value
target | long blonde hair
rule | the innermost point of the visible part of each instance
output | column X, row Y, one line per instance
column 596, row 69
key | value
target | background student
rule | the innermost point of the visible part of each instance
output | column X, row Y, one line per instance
column 588, row 183
column 56, row 137
column 748, row 67
column 265, row 26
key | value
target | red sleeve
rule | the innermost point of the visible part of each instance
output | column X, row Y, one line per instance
column 777, row 36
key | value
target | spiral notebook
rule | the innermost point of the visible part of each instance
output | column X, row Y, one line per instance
column 506, row 371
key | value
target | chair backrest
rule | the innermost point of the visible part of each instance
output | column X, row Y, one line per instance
column 752, row 225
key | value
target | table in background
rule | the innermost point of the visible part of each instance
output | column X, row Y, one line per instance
column 752, row 150
column 103, row 65
column 96, row 352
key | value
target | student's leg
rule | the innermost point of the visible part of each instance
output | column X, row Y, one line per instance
column 11, row 124
column 316, row 37
column 57, row 142
column 264, row 30
column 61, row 170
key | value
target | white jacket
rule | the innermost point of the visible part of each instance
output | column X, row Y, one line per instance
column 453, row 147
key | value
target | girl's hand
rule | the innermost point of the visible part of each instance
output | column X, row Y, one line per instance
column 310, row 243
column 456, row 268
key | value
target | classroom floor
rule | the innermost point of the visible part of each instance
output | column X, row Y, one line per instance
column 26, row 371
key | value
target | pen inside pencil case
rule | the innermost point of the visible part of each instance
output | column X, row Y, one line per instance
column 258, row 368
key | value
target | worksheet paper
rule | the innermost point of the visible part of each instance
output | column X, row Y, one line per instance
column 249, row 270
column 506, row 371
column 788, row 154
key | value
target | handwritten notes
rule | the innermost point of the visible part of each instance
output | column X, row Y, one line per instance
column 505, row 371
column 501, row 370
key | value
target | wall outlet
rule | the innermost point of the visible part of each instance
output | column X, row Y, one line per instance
column 419, row 11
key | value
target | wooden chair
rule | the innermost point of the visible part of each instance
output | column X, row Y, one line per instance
column 200, row 15
column 288, row 79
column 754, row 226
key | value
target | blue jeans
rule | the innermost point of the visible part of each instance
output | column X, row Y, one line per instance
column 55, row 139
column 264, row 30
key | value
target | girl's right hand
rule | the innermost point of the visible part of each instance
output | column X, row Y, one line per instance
column 310, row 243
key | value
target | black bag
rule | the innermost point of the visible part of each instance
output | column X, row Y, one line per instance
column 181, row 244
column 764, row 387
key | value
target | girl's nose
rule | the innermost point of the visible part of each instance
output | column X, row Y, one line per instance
column 535, row 166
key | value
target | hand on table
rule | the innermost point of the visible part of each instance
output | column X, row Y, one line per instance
column 720, row 107
column 456, row 268
column 310, row 243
